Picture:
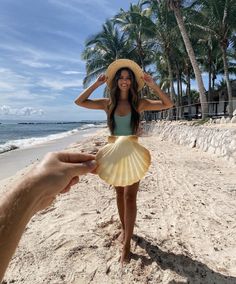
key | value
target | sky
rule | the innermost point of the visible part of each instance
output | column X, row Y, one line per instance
column 41, row 70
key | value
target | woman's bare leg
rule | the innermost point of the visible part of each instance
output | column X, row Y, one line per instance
column 121, row 210
column 130, row 197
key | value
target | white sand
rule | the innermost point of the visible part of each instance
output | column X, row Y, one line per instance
column 185, row 230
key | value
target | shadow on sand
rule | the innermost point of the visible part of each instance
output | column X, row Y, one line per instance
column 193, row 270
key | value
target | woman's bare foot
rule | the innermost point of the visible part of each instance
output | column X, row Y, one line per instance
column 121, row 237
column 125, row 256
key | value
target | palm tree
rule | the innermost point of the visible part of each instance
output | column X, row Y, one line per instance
column 180, row 62
column 103, row 48
column 175, row 6
column 139, row 28
column 164, row 39
column 209, row 56
column 219, row 20
column 188, row 73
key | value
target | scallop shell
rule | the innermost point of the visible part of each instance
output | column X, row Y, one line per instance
column 123, row 161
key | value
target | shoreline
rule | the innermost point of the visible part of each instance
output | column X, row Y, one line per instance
column 13, row 137
column 18, row 159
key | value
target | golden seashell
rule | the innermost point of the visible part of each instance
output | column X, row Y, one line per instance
column 123, row 161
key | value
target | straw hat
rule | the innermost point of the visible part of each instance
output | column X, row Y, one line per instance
column 122, row 63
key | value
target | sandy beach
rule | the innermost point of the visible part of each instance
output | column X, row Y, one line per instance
column 185, row 230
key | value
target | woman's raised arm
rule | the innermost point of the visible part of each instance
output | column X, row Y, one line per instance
column 164, row 102
column 84, row 101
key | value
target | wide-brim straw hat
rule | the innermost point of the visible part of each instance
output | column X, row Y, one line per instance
column 123, row 63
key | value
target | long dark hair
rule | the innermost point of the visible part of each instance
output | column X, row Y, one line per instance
column 133, row 99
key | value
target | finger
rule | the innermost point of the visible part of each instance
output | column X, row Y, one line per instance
column 94, row 172
column 73, row 181
column 65, row 190
column 74, row 157
column 46, row 202
column 82, row 168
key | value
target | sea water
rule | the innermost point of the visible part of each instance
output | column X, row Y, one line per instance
column 22, row 134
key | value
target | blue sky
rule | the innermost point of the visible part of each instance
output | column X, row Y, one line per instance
column 41, row 70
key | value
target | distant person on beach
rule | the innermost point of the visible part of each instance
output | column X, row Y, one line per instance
column 55, row 174
column 125, row 79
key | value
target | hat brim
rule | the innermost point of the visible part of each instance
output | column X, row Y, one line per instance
column 123, row 63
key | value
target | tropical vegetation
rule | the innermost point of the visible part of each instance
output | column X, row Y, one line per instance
column 177, row 42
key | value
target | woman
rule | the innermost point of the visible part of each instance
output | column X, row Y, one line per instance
column 123, row 107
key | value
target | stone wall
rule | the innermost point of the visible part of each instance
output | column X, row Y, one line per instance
column 214, row 140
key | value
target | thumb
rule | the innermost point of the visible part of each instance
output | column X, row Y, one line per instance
column 83, row 168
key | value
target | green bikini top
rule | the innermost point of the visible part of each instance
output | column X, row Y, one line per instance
column 123, row 125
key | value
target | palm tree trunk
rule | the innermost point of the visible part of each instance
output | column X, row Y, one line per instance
column 209, row 94
column 178, row 98
column 179, row 90
column 190, row 51
column 213, row 81
column 188, row 90
column 228, row 84
column 210, row 103
column 181, row 96
column 172, row 90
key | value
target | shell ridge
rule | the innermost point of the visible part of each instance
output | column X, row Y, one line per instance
column 123, row 161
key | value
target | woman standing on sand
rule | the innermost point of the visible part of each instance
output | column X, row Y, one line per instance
column 123, row 107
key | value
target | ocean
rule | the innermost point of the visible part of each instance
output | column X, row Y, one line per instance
column 22, row 134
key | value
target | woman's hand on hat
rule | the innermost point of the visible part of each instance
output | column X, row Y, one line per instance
column 101, row 79
column 148, row 80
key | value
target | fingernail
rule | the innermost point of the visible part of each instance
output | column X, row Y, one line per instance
column 91, row 164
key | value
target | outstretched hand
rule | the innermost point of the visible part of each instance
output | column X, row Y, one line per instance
column 101, row 79
column 57, row 172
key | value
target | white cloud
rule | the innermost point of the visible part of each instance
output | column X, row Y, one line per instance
column 29, row 53
column 15, row 87
column 63, row 34
column 87, row 9
column 34, row 64
column 28, row 111
column 25, row 111
column 60, row 84
column 76, row 8
column 11, row 81
column 6, row 86
column 5, row 110
column 71, row 72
